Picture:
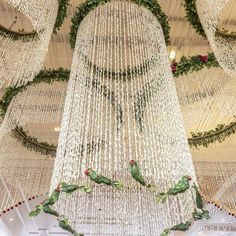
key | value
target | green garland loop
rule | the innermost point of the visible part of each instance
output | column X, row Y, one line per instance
column 20, row 35
column 29, row 36
column 219, row 134
column 183, row 67
column 193, row 18
column 61, row 14
column 89, row 5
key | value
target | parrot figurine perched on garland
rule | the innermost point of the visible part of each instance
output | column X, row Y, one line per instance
column 180, row 187
column 64, row 224
column 100, row 179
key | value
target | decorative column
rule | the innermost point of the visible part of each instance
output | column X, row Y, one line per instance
column 122, row 105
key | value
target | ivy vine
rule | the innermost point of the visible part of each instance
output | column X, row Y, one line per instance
column 20, row 35
column 61, row 14
column 219, row 134
column 29, row 36
column 84, row 9
column 193, row 18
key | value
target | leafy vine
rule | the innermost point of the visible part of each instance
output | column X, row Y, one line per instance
column 89, row 5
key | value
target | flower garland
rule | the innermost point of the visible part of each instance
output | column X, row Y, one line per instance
column 192, row 64
column 193, row 18
column 89, row 5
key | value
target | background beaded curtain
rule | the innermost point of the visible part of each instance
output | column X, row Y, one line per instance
column 121, row 96
column 207, row 99
column 41, row 103
column 23, row 173
column 21, row 60
column 218, row 182
column 224, row 47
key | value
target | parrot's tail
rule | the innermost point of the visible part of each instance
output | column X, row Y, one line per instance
column 162, row 197
column 76, row 234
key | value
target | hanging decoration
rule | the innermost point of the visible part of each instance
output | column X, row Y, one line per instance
column 22, row 53
column 117, row 36
column 217, row 181
column 205, row 17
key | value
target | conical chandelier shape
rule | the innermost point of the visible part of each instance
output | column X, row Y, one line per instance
column 22, row 53
column 122, row 105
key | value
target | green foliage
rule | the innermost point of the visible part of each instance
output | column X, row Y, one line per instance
column 46, row 76
column 45, row 206
column 61, row 14
column 89, row 5
column 219, row 134
column 194, row 20
column 32, row 143
column 20, row 35
column 192, row 64
column 192, row 16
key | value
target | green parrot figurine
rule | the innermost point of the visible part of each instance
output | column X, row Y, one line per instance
column 100, row 179
column 182, row 226
column 180, row 187
column 70, row 188
column 64, row 224
column 53, row 198
column 36, row 211
column 49, row 210
column 136, row 172
column 201, row 214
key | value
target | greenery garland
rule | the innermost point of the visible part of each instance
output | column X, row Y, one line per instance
column 192, row 64
column 89, row 5
column 46, row 76
column 193, row 18
column 20, row 35
column 219, row 134
column 183, row 67
column 29, row 36
column 61, row 14
column 182, row 186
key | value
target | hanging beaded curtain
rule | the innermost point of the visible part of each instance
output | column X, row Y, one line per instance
column 21, row 58
column 223, row 44
column 121, row 97
column 207, row 99
column 217, row 181
column 23, row 173
column 39, row 104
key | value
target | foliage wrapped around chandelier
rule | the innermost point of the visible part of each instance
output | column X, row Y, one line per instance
column 222, row 41
column 23, row 53
column 122, row 105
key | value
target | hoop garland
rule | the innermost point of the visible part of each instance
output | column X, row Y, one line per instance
column 28, row 36
column 193, row 18
column 184, row 66
column 84, row 9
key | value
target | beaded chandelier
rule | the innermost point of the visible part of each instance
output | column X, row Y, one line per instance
column 223, row 43
column 21, row 53
column 122, row 105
